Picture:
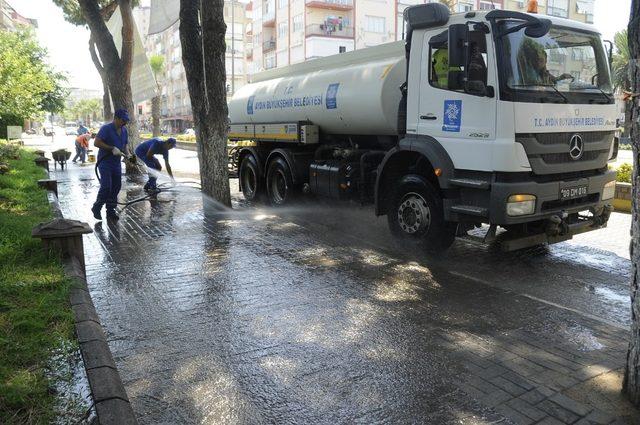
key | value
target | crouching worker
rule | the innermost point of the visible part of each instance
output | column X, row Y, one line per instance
column 112, row 143
column 146, row 151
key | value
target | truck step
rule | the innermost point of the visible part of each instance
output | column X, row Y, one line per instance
column 472, row 183
column 470, row 210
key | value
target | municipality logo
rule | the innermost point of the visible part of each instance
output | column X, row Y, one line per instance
column 452, row 115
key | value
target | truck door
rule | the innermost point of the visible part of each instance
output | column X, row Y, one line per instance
column 462, row 122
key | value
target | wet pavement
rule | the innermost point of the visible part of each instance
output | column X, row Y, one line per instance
column 313, row 314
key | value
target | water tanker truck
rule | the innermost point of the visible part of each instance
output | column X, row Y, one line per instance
column 499, row 118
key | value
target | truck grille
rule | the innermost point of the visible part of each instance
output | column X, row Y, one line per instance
column 548, row 153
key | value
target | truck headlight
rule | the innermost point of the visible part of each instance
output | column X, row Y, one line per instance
column 521, row 205
column 609, row 190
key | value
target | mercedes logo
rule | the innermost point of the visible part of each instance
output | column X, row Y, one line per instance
column 576, row 147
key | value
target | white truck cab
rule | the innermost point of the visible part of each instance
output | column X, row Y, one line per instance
column 499, row 117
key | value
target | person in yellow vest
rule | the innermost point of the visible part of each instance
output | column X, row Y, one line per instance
column 440, row 64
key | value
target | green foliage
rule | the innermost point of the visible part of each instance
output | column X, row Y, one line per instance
column 35, row 317
column 73, row 14
column 84, row 108
column 27, row 84
column 157, row 64
column 620, row 66
column 625, row 173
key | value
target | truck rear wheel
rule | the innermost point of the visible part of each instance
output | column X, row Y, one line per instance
column 250, row 180
column 280, row 190
column 416, row 215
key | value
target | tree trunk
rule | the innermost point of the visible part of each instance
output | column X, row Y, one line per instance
column 117, row 69
column 107, row 113
column 203, row 53
column 631, row 384
column 155, row 115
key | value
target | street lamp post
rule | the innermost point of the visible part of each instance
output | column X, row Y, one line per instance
column 233, row 49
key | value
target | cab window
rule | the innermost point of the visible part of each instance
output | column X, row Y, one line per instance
column 442, row 76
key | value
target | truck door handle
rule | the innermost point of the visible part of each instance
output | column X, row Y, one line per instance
column 428, row 117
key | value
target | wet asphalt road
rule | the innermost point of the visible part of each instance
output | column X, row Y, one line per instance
column 313, row 314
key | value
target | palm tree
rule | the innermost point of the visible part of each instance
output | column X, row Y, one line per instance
column 157, row 66
column 620, row 73
column 620, row 68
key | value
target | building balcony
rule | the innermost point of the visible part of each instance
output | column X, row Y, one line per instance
column 269, row 19
column 330, row 4
column 268, row 46
column 324, row 30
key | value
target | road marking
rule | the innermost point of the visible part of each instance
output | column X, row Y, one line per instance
column 540, row 300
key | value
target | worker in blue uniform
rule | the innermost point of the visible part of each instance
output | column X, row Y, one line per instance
column 112, row 143
column 146, row 151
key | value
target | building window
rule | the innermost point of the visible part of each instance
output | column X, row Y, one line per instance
column 297, row 23
column 558, row 8
column 464, row 7
column 342, row 49
column 488, row 5
column 374, row 23
column 282, row 3
column 282, row 30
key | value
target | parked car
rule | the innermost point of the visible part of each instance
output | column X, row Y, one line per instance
column 190, row 132
column 69, row 131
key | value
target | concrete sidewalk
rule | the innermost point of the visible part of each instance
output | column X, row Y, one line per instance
column 312, row 314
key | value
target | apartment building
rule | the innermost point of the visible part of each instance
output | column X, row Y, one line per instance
column 578, row 10
column 175, row 109
column 284, row 32
column 10, row 19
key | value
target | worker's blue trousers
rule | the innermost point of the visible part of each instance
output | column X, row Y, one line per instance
column 110, row 184
column 153, row 164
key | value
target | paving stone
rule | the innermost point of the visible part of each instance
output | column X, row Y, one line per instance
column 600, row 417
column 519, row 380
column 526, row 409
column 550, row 421
column 570, row 404
column 557, row 411
column 508, row 386
column 294, row 316
column 533, row 397
column 495, row 398
column 513, row 415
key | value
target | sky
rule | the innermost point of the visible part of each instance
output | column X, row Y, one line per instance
column 69, row 52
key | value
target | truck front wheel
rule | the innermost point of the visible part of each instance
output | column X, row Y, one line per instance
column 280, row 190
column 250, row 180
column 416, row 215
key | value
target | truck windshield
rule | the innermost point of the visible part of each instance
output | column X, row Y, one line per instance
column 561, row 63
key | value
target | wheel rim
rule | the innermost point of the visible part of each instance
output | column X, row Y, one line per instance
column 279, row 187
column 413, row 213
column 249, row 182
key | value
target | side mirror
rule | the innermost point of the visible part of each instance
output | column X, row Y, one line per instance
column 538, row 29
column 476, row 88
column 458, row 46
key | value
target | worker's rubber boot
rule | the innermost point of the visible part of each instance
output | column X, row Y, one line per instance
column 112, row 216
column 96, row 212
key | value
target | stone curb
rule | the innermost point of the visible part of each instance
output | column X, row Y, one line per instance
column 109, row 395
column 622, row 199
column 187, row 146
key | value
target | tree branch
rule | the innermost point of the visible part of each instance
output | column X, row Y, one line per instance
column 94, row 57
column 108, row 10
column 126, row 55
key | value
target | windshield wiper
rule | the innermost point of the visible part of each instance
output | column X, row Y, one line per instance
column 544, row 85
column 609, row 99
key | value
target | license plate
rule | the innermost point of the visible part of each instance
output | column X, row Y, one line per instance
column 573, row 192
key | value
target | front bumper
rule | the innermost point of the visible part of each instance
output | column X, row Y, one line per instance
column 548, row 203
